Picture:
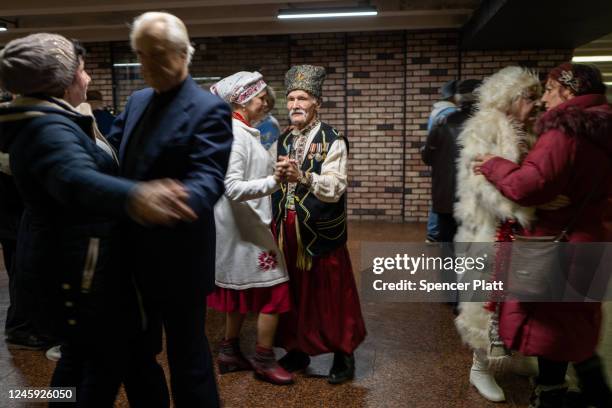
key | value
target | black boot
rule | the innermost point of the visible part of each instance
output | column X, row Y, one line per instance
column 548, row 396
column 593, row 383
column 575, row 399
column 26, row 341
column 343, row 368
column 294, row 361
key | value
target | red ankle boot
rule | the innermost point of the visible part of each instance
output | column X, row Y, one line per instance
column 267, row 369
column 231, row 358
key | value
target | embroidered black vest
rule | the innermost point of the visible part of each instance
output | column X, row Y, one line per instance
column 322, row 226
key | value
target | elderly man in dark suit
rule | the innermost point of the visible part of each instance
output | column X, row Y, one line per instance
column 175, row 130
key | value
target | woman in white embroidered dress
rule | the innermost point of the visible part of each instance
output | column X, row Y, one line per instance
column 251, row 275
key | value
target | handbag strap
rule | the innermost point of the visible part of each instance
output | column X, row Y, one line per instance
column 572, row 223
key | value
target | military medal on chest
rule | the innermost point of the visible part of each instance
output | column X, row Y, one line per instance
column 311, row 151
column 316, row 150
column 321, row 153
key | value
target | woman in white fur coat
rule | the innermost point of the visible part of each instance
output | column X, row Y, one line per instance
column 506, row 101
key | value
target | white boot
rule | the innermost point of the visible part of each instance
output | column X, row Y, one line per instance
column 482, row 378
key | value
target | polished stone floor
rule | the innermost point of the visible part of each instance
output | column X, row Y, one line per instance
column 411, row 358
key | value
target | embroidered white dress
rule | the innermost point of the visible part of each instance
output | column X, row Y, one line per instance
column 247, row 255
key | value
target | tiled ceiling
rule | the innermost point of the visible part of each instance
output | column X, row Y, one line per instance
column 109, row 19
column 600, row 47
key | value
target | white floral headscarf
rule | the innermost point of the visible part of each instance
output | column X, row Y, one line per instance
column 240, row 87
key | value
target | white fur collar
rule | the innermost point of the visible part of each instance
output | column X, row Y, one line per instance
column 480, row 205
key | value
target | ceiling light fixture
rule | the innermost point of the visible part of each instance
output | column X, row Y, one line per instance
column 127, row 64
column 595, row 58
column 206, row 78
column 4, row 24
column 328, row 12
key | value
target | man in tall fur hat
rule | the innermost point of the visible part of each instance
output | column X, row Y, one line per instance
column 310, row 219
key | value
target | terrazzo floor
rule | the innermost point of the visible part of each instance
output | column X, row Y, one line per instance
column 412, row 356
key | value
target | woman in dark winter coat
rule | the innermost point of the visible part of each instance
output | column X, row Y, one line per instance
column 64, row 173
column 572, row 157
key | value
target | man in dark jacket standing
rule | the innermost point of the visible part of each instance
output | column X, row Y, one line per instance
column 173, row 129
column 441, row 153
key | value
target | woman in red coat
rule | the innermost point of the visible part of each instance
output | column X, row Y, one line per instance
column 571, row 157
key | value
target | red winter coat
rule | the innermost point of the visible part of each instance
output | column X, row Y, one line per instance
column 572, row 154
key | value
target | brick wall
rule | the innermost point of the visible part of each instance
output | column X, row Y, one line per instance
column 99, row 66
column 482, row 63
column 375, row 116
column 432, row 60
column 379, row 91
column 127, row 78
column 219, row 57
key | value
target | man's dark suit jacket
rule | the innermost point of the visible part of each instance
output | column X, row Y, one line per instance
column 191, row 144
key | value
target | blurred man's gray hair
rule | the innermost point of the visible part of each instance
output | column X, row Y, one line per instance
column 40, row 63
column 270, row 97
column 173, row 29
column 466, row 91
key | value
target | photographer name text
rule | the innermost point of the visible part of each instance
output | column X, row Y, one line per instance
column 429, row 264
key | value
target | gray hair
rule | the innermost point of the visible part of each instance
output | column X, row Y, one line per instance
column 38, row 64
column 500, row 90
column 465, row 98
column 174, row 30
column 270, row 97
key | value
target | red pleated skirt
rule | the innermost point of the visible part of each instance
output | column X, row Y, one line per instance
column 269, row 300
column 325, row 315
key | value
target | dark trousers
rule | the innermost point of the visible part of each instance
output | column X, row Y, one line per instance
column 191, row 370
column 8, row 252
column 447, row 227
column 96, row 372
column 593, row 381
column 551, row 372
column 96, row 351
column 17, row 321
column 22, row 322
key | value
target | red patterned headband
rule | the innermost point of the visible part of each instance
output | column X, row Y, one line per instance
column 245, row 94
